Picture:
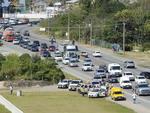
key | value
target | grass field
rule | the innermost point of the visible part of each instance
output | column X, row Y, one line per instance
column 63, row 102
column 3, row 109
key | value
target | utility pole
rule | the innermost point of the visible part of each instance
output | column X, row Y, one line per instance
column 124, row 31
column 79, row 33
column 91, row 30
column 68, row 26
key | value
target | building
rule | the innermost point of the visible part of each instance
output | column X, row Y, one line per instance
column 39, row 5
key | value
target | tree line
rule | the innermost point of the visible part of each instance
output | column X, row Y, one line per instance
column 106, row 17
column 26, row 67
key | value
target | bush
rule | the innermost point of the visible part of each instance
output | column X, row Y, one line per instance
column 146, row 46
column 128, row 48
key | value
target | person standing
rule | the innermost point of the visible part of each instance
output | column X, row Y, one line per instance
column 134, row 96
column 11, row 89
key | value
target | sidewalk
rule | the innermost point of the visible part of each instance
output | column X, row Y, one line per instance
column 9, row 105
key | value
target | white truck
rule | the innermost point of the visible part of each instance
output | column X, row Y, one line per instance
column 114, row 69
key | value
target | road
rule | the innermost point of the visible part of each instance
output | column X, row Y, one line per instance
column 143, row 103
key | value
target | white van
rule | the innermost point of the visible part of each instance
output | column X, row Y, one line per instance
column 114, row 69
column 125, row 83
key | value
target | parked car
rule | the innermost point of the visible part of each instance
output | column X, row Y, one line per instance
column 129, row 75
column 125, row 83
column 113, row 80
column 96, row 82
column 25, row 39
column 142, row 89
column 73, row 63
column 58, row 56
column 74, row 84
column 16, row 41
column 103, row 66
column 26, row 33
column 45, row 53
column 146, row 74
column 97, row 54
column 94, row 93
column 24, row 45
column 43, row 47
column 100, row 72
column 64, row 83
column 36, row 42
column 66, row 60
column 87, row 67
column 88, row 60
column 129, row 64
column 52, row 48
column 140, row 80
column 84, row 54
column 34, row 48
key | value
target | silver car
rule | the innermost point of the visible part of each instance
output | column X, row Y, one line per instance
column 142, row 89
column 129, row 64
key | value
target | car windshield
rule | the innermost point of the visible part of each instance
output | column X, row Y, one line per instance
column 143, row 86
column 97, row 77
column 118, row 92
column 95, row 82
column 95, row 90
column 116, row 67
column 141, row 77
column 130, row 62
column 66, row 58
column 87, row 65
column 126, row 81
column 58, row 55
column 72, row 61
column 128, row 73
column 75, row 82
column 87, row 60
column 97, row 52
column 100, row 71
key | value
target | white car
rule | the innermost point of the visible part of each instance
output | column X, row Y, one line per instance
column 58, row 56
column 26, row 39
column 16, row 41
column 87, row 67
column 94, row 93
column 129, row 75
column 140, row 80
column 97, row 54
column 125, row 83
column 74, row 84
column 65, row 60
column 63, row 83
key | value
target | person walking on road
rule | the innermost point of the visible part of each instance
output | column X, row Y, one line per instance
column 134, row 96
column 11, row 89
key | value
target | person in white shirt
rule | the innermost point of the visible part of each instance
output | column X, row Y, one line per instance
column 134, row 96
column 11, row 89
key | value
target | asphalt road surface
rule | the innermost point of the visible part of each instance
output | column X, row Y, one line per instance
column 143, row 102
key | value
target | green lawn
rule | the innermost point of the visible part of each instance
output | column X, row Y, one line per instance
column 63, row 102
column 3, row 109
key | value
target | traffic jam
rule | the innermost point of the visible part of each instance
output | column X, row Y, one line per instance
column 107, row 80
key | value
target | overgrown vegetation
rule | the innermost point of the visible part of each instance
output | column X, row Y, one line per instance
column 26, row 67
column 106, row 18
